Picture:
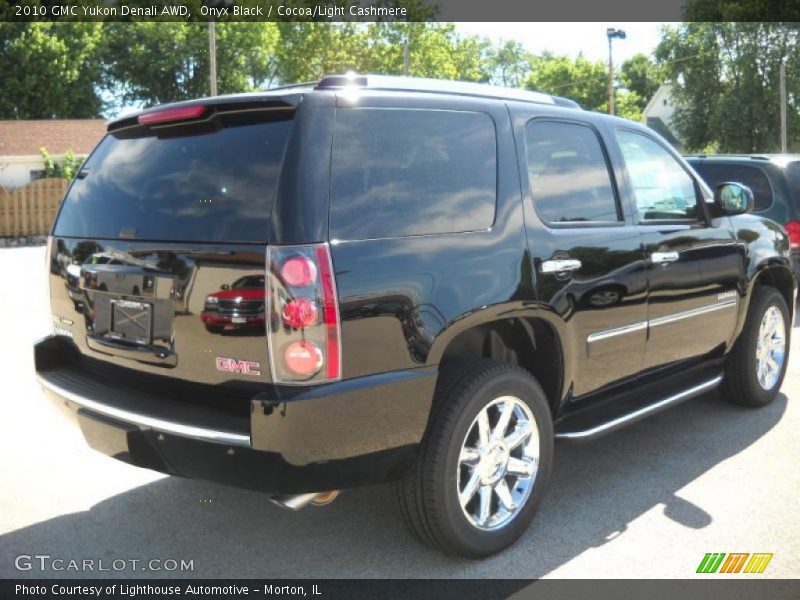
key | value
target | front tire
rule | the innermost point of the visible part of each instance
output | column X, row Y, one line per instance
column 484, row 463
column 757, row 364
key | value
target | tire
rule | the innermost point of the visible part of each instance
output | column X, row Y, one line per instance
column 744, row 383
column 429, row 494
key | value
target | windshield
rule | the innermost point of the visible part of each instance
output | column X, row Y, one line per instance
column 251, row 281
column 209, row 185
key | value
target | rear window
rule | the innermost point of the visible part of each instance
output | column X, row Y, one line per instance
column 211, row 184
column 751, row 176
column 411, row 172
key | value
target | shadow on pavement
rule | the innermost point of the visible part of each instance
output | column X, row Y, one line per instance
column 596, row 490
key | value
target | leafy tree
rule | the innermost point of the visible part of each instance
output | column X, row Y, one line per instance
column 156, row 62
column 725, row 83
column 307, row 51
column 642, row 76
column 65, row 168
column 49, row 70
column 742, row 10
column 510, row 64
column 581, row 79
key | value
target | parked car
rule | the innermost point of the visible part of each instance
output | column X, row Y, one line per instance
column 455, row 275
column 236, row 307
column 774, row 180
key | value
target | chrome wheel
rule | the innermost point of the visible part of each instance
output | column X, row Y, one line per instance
column 770, row 348
column 498, row 463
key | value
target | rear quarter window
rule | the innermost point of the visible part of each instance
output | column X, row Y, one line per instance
column 398, row 172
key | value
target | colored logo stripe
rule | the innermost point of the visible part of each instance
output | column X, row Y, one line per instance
column 713, row 562
column 734, row 563
column 758, row 563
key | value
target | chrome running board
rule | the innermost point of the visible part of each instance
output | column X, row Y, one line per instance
column 640, row 413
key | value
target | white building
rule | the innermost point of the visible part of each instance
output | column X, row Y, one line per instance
column 21, row 143
column 659, row 112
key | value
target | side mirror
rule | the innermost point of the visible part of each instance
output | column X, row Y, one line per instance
column 224, row 286
column 732, row 198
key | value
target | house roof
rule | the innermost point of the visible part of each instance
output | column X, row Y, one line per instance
column 663, row 91
column 27, row 137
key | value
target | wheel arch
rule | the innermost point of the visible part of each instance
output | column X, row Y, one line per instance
column 777, row 275
column 529, row 340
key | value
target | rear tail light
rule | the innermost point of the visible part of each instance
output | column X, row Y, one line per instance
column 303, row 329
column 793, row 229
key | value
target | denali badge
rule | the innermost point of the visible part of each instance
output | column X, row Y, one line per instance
column 245, row 367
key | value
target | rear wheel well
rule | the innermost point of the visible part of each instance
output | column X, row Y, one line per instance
column 529, row 343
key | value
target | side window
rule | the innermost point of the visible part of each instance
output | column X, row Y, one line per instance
column 399, row 172
column 568, row 173
column 752, row 177
column 662, row 188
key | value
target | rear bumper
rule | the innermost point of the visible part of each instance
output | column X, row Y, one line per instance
column 296, row 440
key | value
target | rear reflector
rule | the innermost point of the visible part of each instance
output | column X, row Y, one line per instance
column 171, row 115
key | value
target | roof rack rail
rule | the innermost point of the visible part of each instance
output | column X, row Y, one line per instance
column 419, row 84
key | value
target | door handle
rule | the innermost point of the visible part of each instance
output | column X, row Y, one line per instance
column 561, row 265
column 664, row 258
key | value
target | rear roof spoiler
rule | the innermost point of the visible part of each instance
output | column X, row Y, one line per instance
column 289, row 98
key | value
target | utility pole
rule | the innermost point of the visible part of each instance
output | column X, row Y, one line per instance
column 212, row 55
column 612, row 33
column 405, row 53
column 784, row 140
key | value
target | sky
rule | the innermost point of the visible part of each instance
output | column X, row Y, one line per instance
column 573, row 38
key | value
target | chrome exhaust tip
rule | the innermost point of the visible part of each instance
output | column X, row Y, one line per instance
column 299, row 501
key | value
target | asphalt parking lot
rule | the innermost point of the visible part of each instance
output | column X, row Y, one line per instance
column 645, row 502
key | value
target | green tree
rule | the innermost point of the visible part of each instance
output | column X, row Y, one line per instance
column 581, row 79
column 307, row 51
column 510, row 64
column 151, row 63
column 49, row 70
column 65, row 168
column 725, row 83
column 642, row 76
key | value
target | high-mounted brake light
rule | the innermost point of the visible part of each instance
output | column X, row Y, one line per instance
column 793, row 229
column 303, row 330
column 170, row 115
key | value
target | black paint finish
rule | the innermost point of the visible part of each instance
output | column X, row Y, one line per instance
column 407, row 305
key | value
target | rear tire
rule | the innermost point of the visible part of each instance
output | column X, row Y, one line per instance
column 757, row 364
column 484, row 463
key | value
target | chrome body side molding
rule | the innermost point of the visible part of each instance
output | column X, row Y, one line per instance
column 687, row 314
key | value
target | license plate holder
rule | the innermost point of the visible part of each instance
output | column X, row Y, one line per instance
column 131, row 321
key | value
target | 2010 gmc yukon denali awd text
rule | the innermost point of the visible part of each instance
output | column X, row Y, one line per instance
column 373, row 278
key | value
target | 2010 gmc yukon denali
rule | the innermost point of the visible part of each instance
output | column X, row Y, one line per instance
column 423, row 281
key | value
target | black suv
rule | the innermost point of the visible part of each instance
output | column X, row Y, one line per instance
column 774, row 180
column 455, row 275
